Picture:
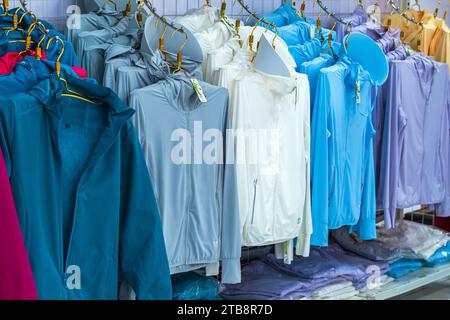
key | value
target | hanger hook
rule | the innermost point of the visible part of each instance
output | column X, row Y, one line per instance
column 350, row 26
column 180, row 50
column 275, row 28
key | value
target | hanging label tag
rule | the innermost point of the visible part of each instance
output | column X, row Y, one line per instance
column 358, row 92
column 408, row 53
column 198, row 89
column 312, row 31
column 229, row 24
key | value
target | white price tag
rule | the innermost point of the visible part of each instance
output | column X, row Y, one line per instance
column 312, row 31
column 198, row 89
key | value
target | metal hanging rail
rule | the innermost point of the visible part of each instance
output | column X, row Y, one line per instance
column 152, row 9
column 251, row 13
column 390, row 2
column 402, row 13
column 330, row 13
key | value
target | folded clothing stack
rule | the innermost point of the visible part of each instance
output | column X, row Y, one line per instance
column 332, row 262
column 260, row 281
column 193, row 286
column 328, row 273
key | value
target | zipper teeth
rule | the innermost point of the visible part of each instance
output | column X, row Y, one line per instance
column 255, row 182
column 188, row 193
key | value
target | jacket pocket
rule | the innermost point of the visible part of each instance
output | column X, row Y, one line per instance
column 255, row 185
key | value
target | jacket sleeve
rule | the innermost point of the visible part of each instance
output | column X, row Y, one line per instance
column 143, row 257
column 304, row 238
column 320, row 136
column 393, row 123
column 443, row 209
column 7, row 119
column 366, row 227
column 231, row 225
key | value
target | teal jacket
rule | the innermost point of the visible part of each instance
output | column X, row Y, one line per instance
column 9, row 40
column 84, row 198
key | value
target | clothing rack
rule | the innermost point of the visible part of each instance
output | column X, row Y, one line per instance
column 252, row 14
column 402, row 13
column 152, row 9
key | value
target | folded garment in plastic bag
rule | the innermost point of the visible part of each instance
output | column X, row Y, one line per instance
column 403, row 267
column 421, row 239
column 441, row 256
column 192, row 286
column 371, row 249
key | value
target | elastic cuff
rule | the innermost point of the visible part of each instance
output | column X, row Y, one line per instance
column 231, row 271
column 303, row 245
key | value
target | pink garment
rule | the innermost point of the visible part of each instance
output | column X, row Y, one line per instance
column 80, row 72
column 9, row 60
column 16, row 277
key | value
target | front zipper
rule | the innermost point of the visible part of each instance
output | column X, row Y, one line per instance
column 255, row 183
column 188, row 197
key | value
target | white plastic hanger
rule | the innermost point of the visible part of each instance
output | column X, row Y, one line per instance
column 269, row 61
column 173, row 40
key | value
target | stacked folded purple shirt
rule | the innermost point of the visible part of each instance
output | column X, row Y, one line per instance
column 272, row 279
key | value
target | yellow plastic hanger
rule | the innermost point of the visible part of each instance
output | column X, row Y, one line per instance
column 114, row 3
column 319, row 25
column 446, row 10
column 436, row 11
column 6, row 8
column 71, row 93
column 416, row 5
column 180, row 53
column 28, row 40
column 330, row 41
column 162, row 38
column 238, row 22
column 15, row 26
column 302, row 10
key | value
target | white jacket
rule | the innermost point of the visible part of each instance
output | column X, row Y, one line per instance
column 270, row 116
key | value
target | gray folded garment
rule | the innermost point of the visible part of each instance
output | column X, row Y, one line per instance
column 370, row 249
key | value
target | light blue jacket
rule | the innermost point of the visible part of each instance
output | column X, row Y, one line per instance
column 342, row 164
column 197, row 198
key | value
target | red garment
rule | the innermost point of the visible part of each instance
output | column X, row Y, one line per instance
column 80, row 72
column 443, row 223
column 9, row 60
column 16, row 277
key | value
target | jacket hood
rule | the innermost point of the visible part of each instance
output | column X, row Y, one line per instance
column 50, row 91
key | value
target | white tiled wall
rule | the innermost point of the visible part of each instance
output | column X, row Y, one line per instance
column 178, row 7
column 55, row 10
